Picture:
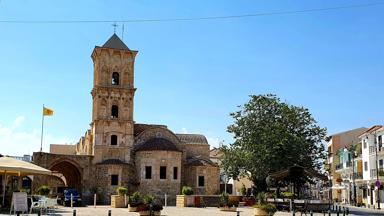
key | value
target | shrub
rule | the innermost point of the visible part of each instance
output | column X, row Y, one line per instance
column 243, row 190
column 143, row 207
column 287, row 194
column 135, row 200
column 148, row 199
column 43, row 190
column 157, row 207
column 224, row 199
column 269, row 208
column 187, row 190
column 121, row 191
column 261, row 198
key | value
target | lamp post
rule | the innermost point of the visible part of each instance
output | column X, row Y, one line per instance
column 377, row 174
column 354, row 194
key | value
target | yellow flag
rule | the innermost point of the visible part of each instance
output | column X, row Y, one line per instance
column 47, row 111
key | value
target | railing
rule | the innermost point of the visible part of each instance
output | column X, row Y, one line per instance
column 374, row 173
column 339, row 166
column 344, row 165
column 358, row 175
column 372, row 149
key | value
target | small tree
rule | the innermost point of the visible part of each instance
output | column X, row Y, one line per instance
column 187, row 190
column 43, row 190
column 243, row 190
column 121, row 191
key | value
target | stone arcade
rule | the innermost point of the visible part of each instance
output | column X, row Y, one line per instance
column 116, row 151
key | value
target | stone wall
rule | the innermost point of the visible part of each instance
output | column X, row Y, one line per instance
column 211, row 179
column 156, row 186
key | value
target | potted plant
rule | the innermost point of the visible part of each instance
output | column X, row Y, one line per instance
column 156, row 208
column 262, row 208
column 134, row 201
column 186, row 199
column 144, row 209
column 43, row 190
column 224, row 203
column 118, row 201
column 243, row 190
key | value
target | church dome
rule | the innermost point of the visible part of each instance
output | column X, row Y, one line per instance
column 157, row 144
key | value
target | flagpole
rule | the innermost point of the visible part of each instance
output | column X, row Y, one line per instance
column 42, row 131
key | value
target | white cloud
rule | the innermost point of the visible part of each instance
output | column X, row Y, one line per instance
column 184, row 130
column 213, row 141
column 18, row 121
column 17, row 143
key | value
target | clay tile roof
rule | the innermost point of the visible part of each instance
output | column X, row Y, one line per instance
column 138, row 128
column 192, row 138
column 193, row 161
column 115, row 42
column 372, row 129
column 157, row 144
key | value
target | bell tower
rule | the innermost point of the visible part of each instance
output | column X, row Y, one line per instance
column 113, row 96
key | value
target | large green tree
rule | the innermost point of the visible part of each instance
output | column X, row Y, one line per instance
column 271, row 135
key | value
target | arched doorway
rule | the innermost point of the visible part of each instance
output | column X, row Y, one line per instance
column 71, row 173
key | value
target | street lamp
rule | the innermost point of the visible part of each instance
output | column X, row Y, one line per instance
column 377, row 174
column 354, row 194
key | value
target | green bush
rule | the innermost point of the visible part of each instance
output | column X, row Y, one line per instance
column 148, row 199
column 243, row 190
column 135, row 200
column 287, row 194
column 187, row 190
column 269, row 208
column 224, row 199
column 261, row 198
column 43, row 190
column 122, row 191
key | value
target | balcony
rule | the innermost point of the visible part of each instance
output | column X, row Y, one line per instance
column 341, row 166
column 373, row 173
column 357, row 176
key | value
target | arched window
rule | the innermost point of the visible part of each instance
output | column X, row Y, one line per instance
column 115, row 111
column 113, row 140
column 115, row 78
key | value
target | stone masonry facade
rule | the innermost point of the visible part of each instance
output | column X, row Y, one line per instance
column 117, row 151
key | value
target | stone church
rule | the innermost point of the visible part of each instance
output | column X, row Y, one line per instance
column 117, row 151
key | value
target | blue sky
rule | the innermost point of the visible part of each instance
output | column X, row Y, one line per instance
column 190, row 75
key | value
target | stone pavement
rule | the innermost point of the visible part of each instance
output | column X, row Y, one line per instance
column 173, row 211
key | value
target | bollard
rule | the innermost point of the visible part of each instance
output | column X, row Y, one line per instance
column 165, row 200
column 343, row 211
column 329, row 212
column 74, row 212
column 293, row 212
column 71, row 201
column 109, row 212
column 94, row 200
column 238, row 213
column 125, row 200
column 347, row 211
column 18, row 213
column 337, row 213
column 311, row 213
column 39, row 213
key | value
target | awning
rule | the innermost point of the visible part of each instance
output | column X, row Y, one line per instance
column 11, row 166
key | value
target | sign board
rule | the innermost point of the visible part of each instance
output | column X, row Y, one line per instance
column 19, row 202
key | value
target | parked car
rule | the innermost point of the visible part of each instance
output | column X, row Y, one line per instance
column 75, row 197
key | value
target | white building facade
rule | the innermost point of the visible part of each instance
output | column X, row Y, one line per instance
column 373, row 166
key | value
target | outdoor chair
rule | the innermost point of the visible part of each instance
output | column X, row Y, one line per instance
column 51, row 205
column 39, row 204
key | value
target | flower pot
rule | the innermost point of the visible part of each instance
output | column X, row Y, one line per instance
column 144, row 213
column 226, row 208
column 132, row 209
column 259, row 212
column 117, row 201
